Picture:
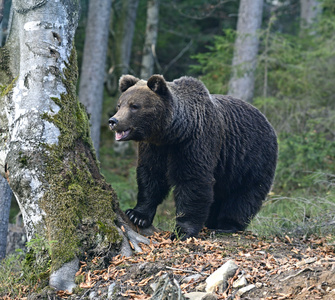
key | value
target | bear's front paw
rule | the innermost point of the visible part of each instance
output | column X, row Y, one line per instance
column 138, row 218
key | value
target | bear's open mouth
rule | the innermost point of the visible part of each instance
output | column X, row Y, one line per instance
column 121, row 135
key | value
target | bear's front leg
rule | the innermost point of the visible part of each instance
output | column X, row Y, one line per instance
column 193, row 201
column 152, row 184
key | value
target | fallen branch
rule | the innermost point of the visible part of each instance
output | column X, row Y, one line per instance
column 294, row 275
column 187, row 271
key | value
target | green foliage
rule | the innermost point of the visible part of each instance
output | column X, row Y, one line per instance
column 26, row 272
column 300, row 156
column 294, row 88
column 215, row 65
column 303, row 214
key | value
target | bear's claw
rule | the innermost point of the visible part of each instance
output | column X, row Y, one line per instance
column 138, row 218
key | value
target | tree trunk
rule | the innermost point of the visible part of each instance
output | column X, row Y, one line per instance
column 2, row 7
column 241, row 85
column 46, row 151
column 124, row 18
column 309, row 12
column 5, row 199
column 150, row 39
column 94, row 61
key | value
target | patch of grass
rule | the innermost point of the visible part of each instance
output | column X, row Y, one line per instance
column 302, row 214
column 24, row 273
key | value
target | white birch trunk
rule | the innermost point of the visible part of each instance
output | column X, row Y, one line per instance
column 38, row 49
column 241, row 84
column 46, row 153
column 150, row 39
column 39, row 44
column 93, row 66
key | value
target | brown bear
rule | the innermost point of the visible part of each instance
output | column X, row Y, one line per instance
column 217, row 152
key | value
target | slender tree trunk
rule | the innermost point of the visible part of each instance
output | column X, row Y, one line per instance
column 94, row 61
column 241, row 84
column 5, row 199
column 124, row 18
column 309, row 12
column 5, row 191
column 150, row 39
column 130, row 7
column 45, row 147
column 2, row 7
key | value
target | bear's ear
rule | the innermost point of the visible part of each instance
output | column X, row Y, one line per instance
column 157, row 84
column 127, row 81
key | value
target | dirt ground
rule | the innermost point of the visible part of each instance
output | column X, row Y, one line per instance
column 279, row 269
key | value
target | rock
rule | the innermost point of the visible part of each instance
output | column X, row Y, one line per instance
column 240, row 282
column 193, row 277
column 111, row 290
column 221, row 276
column 242, row 291
column 200, row 296
column 201, row 287
column 154, row 286
column 209, row 296
column 259, row 285
column 63, row 278
column 167, row 289
column 92, row 295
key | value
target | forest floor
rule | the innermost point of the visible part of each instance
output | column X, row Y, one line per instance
column 279, row 269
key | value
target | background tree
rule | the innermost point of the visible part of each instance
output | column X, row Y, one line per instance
column 151, row 32
column 2, row 7
column 46, row 150
column 241, row 85
column 5, row 199
column 123, row 26
column 5, row 192
column 310, row 10
column 92, row 76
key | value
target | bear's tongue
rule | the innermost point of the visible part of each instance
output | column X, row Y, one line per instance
column 119, row 135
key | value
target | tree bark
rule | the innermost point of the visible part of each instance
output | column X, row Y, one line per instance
column 2, row 7
column 123, row 23
column 241, row 84
column 46, row 152
column 309, row 12
column 94, row 62
column 150, row 39
column 5, row 200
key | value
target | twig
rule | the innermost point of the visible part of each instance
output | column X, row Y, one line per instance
column 186, row 271
column 213, row 9
column 294, row 275
column 181, row 53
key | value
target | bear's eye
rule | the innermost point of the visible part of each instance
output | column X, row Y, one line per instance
column 134, row 106
column 118, row 106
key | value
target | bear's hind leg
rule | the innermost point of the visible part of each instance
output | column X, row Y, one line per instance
column 237, row 210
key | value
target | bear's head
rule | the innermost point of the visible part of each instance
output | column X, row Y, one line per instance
column 142, row 110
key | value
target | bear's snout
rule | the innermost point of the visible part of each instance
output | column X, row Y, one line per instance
column 112, row 122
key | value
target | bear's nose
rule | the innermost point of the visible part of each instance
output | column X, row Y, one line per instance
column 112, row 122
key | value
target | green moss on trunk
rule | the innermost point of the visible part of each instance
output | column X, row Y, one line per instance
column 6, row 77
column 79, row 205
